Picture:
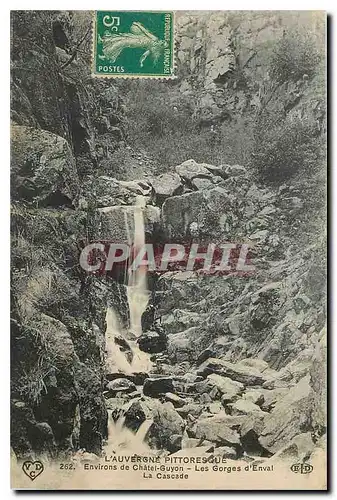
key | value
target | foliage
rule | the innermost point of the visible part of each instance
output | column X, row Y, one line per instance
column 285, row 149
column 164, row 123
column 295, row 55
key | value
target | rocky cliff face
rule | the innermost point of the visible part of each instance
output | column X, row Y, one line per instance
column 224, row 60
column 64, row 125
column 237, row 359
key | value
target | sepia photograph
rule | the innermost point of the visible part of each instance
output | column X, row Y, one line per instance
column 168, row 250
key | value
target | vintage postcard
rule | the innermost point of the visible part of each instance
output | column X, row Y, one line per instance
column 168, row 265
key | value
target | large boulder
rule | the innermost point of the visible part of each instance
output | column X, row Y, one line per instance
column 255, row 396
column 240, row 373
column 190, row 169
column 228, row 388
column 166, row 422
column 180, row 346
column 243, row 407
column 214, row 212
column 152, row 342
column 108, row 191
column 180, row 320
column 234, row 170
column 220, row 429
column 136, row 377
column 250, row 431
column 43, row 168
column 203, row 183
column 165, row 185
column 116, row 223
column 290, row 416
column 122, row 385
column 155, row 387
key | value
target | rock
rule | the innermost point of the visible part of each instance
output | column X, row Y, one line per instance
column 211, row 206
column 192, row 377
column 137, row 378
column 240, row 373
column 134, row 394
column 114, row 404
column 291, row 203
column 204, row 355
column 256, row 397
column 93, row 413
column 235, row 170
column 275, row 383
column 42, row 439
column 85, row 457
column 299, row 449
column 227, row 387
column 259, row 236
column 202, row 183
column 124, row 347
column 205, row 398
column 228, row 398
column 152, row 342
column 215, row 407
column 268, row 210
column 155, row 387
column 116, row 223
column 190, row 169
column 109, row 192
column 198, row 451
column 120, row 385
column 180, row 320
column 166, row 422
column 254, row 423
column 168, row 184
column 175, row 441
column 243, row 407
column 180, row 346
column 217, row 171
column 250, row 431
column 298, row 368
column 265, row 303
column 141, row 187
column 258, row 364
column 194, row 409
column 290, row 416
column 177, row 401
column 204, row 386
column 217, row 429
column 43, row 168
column 225, row 452
column 215, row 393
column 271, row 397
column 188, row 443
column 301, row 302
column 135, row 413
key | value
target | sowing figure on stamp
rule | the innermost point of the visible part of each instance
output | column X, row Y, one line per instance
column 140, row 37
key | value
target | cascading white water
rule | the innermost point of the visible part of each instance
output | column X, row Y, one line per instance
column 137, row 297
column 137, row 292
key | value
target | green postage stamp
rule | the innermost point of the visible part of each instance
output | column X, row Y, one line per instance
column 133, row 44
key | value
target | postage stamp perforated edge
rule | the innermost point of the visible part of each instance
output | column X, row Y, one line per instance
column 94, row 74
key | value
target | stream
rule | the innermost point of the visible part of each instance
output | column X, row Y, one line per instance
column 119, row 437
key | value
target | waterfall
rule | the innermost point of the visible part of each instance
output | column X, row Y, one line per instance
column 137, row 292
column 119, row 437
column 137, row 297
